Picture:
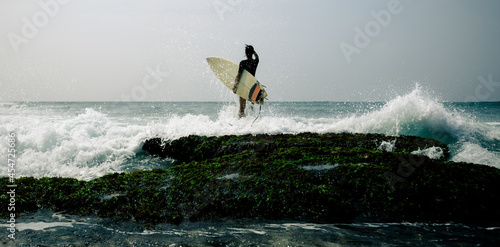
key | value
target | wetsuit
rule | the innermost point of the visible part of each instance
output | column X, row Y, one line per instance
column 249, row 65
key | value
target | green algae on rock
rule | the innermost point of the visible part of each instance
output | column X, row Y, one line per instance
column 314, row 177
column 201, row 147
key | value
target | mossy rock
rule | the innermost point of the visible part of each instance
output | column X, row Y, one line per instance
column 313, row 177
column 198, row 148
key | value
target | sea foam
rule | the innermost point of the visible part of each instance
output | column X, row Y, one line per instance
column 90, row 140
column 85, row 146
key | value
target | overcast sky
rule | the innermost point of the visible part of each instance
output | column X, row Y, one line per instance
column 155, row 50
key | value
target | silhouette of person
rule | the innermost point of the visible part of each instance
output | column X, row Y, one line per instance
column 250, row 65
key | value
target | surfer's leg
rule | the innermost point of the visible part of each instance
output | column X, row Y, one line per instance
column 242, row 107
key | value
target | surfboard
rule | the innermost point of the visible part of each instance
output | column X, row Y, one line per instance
column 248, row 88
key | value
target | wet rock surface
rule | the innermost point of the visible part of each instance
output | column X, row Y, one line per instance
column 314, row 177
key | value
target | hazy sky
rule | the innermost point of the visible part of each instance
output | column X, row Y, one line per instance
column 155, row 50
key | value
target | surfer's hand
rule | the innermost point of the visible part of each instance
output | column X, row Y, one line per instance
column 235, row 87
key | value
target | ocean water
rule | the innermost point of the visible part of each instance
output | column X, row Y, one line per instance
column 46, row 228
column 86, row 140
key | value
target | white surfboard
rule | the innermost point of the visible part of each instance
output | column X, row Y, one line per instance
column 248, row 87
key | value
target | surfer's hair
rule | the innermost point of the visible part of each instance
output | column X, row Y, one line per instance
column 249, row 51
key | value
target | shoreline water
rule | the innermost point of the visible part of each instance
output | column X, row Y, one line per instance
column 57, row 228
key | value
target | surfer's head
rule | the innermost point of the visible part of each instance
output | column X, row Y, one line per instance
column 249, row 51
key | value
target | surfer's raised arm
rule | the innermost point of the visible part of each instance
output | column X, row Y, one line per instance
column 256, row 56
column 250, row 52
